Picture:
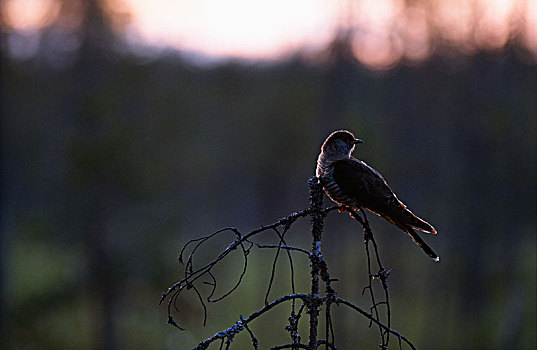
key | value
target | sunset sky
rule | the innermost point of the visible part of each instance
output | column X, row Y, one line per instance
column 384, row 31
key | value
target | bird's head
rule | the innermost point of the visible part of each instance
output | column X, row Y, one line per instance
column 339, row 145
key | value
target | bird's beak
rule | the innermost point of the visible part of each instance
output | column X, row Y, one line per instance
column 357, row 141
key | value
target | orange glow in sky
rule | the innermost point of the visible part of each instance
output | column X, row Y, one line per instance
column 234, row 27
column 29, row 14
column 385, row 31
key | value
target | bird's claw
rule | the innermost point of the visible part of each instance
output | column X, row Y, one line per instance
column 345, row 208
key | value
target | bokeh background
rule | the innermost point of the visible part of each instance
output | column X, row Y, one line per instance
column 132, row 126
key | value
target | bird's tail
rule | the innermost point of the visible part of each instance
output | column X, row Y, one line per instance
column 408, row 217
column 422, row 225
column 420, row 242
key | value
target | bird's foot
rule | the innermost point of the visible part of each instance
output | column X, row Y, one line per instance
column 345, row 208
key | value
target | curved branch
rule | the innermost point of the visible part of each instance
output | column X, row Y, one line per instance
column 239, row 326
column 382, row 274
column 273, row 271
column 245, row 266
column 191, row 276
column 311, row 303
column 372, row 319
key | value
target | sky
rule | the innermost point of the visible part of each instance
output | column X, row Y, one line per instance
column 385, row 31
column 234, row 27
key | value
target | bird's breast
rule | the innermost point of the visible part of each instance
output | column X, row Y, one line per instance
column 325, row 173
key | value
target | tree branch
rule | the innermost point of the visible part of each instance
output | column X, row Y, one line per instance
column 310, row 303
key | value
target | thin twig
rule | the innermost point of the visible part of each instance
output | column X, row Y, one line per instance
column 381, row 274
column 239, row 326
column 374, row 320
column 255, row 343
column 310, row 302
column 296, row 249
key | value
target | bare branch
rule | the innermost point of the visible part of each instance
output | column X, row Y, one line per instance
column 291, row 346
column 287, row 247
column 279, row 247
column 382, row 274
column 311, row 303
column 239, row 326
column 374, row 320
column 255, row 343
column 317, row 224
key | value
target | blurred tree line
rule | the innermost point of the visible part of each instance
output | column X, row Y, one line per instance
column 111, row 161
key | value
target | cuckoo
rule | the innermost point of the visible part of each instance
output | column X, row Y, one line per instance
column 352, row 183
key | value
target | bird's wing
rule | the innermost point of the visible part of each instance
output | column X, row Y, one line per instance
column 359, row 180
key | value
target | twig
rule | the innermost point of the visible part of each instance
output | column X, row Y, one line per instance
column 310, row 302
column 297, row 249
column 239, row 326
column 382, row 274
column 279, row 247
column 372, row 319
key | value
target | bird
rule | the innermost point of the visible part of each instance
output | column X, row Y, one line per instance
column 351, row 183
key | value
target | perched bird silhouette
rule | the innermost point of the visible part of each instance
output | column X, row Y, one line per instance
column 352, row 183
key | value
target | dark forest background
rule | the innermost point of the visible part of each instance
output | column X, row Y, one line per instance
column 111, row 161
